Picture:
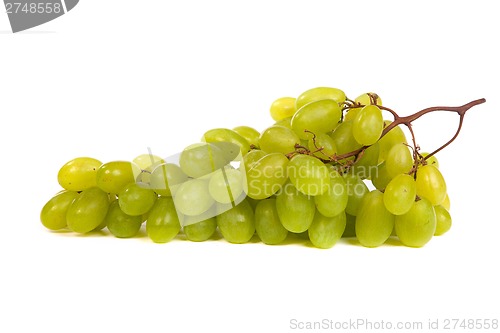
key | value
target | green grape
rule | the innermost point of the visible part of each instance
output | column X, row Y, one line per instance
column 267, row 176
column 201, row 159
column 248, row 133
column 374, row 223
column 324, row 231
column 88, row 210
column 295, row 209
column 366, row 165
column 364, row 99
column 431, row 160
column 351, row 114
column 320, row 93
column 147, row 161
column 308, row 174
column 226, row 135
column 79, row 174
column 431, row 184
column 416, row 227
column 325, row 143
column 112, row 177
column 446, row 203
column 268, row 224
column 278, row 139
column 368, row 125
column 356, row 190
column 282, row 108
column 400, row 194
column 317, row 117
column 380, row 178
column 253, row 203
column 53, row 214
column 443, row 220
column 201, row 230
column 166, row 178
column 286, row 122
column 193, row 197
column 394, row 136
column 226, row 185
column 252, row 157
column 237, row 225
column 343, row 138
column 350, row 227
column 163, row 222
column 136, row 200
column 399, row 160
column 333, row 201
column 122, row 225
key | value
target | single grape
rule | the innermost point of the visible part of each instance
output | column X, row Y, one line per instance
column 364, row 99
column 431, row 184
column 334, row 200
column 351, row 114
column 267, row 176
column 380, row 178
column 343, row 138
column 366, row 166
column 400, row 194
column 317, row 117
column 278, row 139
column 148, row 161
column 166, row 178
column 252, row 157
column 295, row 209
column 368, row 125
column 112, row 177
column 322, row 145
column 399, row 160
column 237, row 225
column 286, row 122
column 446, row 203
column 267, row 223
column 356, row 190
column 324, row 232
column 201, row 159
column 53, row 214
column 248, row 133
column 350, row 227
column 443, row 220
column 122, row 225
column 79, row 174
column 226, row 135
column 320, row 93
column 88, row 210
column 394, row 136
column 136, row 200
column 374, row 223
column 193, row 197
column 431, row 160
column 199, row 231
column 308, row 174
column 163, row 222
column 416, row 227
column 226, row 185
column 282, row 108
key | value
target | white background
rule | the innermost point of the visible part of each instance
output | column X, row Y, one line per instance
column 112, row 78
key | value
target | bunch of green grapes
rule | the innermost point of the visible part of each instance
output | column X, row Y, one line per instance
column 325, row 169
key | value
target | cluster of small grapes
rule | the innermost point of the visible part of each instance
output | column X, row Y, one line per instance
column 307, row 174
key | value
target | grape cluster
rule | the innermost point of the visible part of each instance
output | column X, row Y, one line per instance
column 329, row 167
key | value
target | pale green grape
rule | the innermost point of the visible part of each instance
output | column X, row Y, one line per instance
column 351, row 114
column 252, row 157
column 248, row 133
column 443, row 220
column 79, row 174
column 295, row 209
column 286, row 122
column 333, row 201
column 446, row 203
column 112, row 177
column 325, row 143
column 166, row 178
column 320, row 93
column 308, row 174
column 356, row 190
column 282, row 108
column 368, row 125
column 394, row 136
column 380, row 178
column 237, row 225
column 193, row 197
column 431, row 184
column 366, row 166
column 201, row 159
column 278, row 139
column 416, row 227
column 53, row 214
column 163, row 222
column 350, row 227
column 226, row 185
column 374, row 223
column 364, row 99
column 122, row 225
column 344, row 139
column 431, row 160
column 199, row 231
column 136, row 200
column 324, row 231
column 267, row 176
column 147, row 161
column 400, row 194
column 317, row 117
column 226, row 135
column 399, row 160
column 88, row 210
column 268, row 224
